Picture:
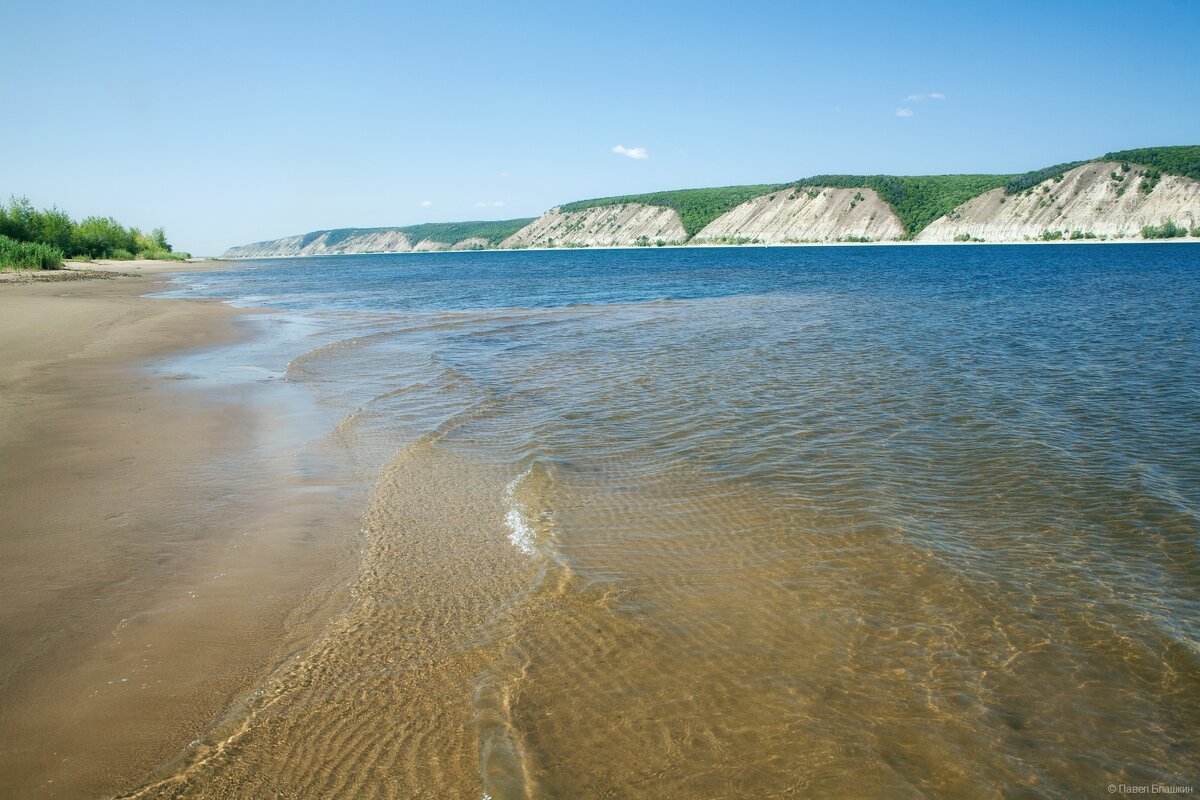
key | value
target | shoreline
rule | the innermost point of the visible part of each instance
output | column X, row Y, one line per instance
column 105, row 269
column 1177, row 240
column 161, row 552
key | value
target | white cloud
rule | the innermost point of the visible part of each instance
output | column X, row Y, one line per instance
column 498, row 204
column 636, row 153
column 426, row 203
column 504, row 174
column 916, row 98
column 493, row 204
column 904, row 112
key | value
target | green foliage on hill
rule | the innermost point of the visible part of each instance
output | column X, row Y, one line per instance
column 918, row 200
column 1183, row 160
column 696, row 207
column 28, row 255
column 93, row 237
column 1019, row 183
column 495, row 231
column 1175, row 160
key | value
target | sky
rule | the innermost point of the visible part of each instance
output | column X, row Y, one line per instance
column 233, row 121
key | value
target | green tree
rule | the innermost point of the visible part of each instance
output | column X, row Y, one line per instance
column 102, row 237
column 18, row 221
column 55, row 228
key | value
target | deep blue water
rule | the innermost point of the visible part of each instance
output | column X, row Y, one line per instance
column 536, row 279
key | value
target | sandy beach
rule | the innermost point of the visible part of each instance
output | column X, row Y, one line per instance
column 725, row 523
column 159, row 552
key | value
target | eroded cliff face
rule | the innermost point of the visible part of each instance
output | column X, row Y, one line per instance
column 325, row 245
column 473, row 243
column 1102, row 198
column 328, row 244
column 606, row 226
column 1098, row 200
column 806, row 214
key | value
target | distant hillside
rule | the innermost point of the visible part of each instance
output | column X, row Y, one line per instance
column 917, row 200
column 1086, row 199
column 695, row 207
column 1095, row 200
column 798, row 215
column 476, row 235
column 446, row 232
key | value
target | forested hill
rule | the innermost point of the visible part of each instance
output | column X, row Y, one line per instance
column 833, row 208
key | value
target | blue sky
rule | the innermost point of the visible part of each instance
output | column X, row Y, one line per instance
column 229, row 122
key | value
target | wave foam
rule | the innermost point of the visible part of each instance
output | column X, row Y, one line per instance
column 519, row 532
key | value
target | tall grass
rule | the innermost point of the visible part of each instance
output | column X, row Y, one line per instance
column 28, row 255
column 163, row 255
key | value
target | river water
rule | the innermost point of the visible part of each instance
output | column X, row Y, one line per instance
column 746, row 522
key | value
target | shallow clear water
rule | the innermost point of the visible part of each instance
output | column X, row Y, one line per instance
column 883, row 522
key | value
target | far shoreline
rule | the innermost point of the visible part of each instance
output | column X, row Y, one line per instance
column 1176, row 241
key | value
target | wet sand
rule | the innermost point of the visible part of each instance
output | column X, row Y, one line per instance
column 160, row 551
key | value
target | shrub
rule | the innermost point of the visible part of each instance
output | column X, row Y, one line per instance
column 28, row 255
column 1051, row 236
column 732, row 240
column 1168, row 230
column 94, row 237
column 1150, row 179
column 55, row 228
column 19, row 220
column 102, row 237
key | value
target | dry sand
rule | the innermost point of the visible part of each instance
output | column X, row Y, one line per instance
column 160, row 551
